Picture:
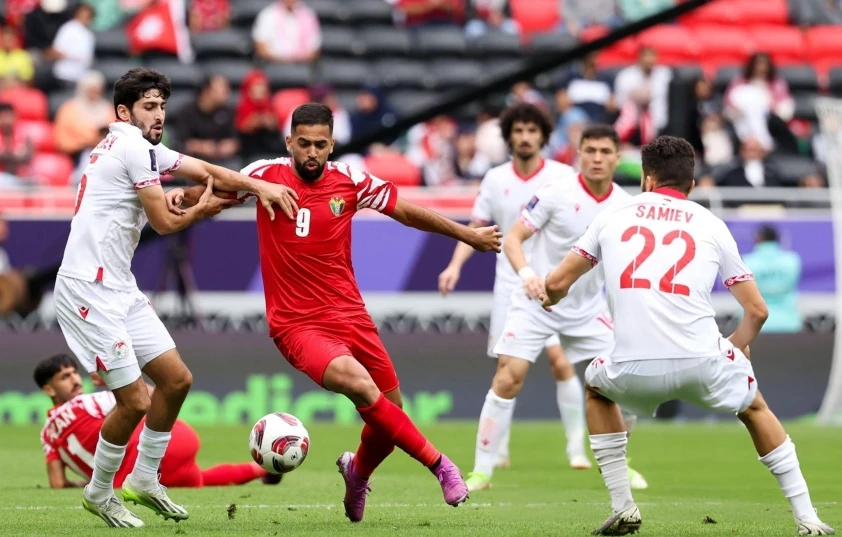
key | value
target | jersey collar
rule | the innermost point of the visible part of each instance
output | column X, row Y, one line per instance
column 670, row 192
column 587, row 189
column 531, row 175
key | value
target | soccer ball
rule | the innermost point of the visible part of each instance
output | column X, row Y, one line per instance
column 279, row 443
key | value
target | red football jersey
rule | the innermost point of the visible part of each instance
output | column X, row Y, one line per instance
column 72, row 430
column 308, row 277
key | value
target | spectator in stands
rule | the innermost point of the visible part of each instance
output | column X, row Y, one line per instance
column 523, row 92
column 490, row 16
column 256, row 120
column 634, row 10
column 646, row 79
column 586, row 88
column 752, row 168
column 469, row 165
column 707, row 129
column 205, row 127
column 209, row 15
column 420, row 13
column 564, row 141
column 15, row 150
column 489, row 138
column 373, row 111
column 635, row 124
column 777, row 273
column 431, row 148
column 759, row 105
column 576, row 15
column 81, row 122
column 15, row 63
column 42, row 23
column 16, row 11
column 287, row 31
column 73, row 47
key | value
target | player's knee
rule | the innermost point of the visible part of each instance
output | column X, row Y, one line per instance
column 395, row 397
column 347, row 376
column 756, row 407
column 507, row 383
column 562, row 369
column 135, row 405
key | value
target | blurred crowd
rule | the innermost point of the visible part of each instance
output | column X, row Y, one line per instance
column 50, row 45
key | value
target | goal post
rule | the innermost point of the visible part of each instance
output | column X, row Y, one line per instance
column 829, row 112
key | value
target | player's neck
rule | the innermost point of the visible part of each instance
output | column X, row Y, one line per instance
column 526, row 168
column 599, row 188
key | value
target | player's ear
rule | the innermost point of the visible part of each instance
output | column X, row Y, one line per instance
column 692, row 186
column 332, row 144
column 49, row 390
column 123, row 113
column 289, row 144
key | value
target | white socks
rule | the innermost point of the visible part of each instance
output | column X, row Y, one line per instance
column 107, row 460
column 495, row 420
column 610, row 453
column 503, row 450
column 783, row 463
column 151, row 449
column 571, row 405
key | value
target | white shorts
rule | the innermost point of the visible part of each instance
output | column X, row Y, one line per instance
column 724, row 383
column 109, row 330
column 502, row 301
column 528, row 326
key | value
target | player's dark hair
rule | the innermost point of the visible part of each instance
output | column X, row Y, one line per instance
column 525, row 113
column 767, row 234
column 133, row 85
column 670, row 161
column 48, row 367
column 598, row 131
column 312, row 114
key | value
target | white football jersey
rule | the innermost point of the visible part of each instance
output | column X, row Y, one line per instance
column 660, row 254
column 109, row 217
column 503, row 193
column 559, row 214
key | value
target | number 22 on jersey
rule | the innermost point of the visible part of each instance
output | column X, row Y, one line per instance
column 666, row 284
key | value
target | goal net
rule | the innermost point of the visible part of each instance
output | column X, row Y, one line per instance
column 830, row 124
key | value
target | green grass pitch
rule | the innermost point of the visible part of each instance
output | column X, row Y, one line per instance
column 694, row 471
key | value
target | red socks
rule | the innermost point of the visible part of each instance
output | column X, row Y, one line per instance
column 231, row 474
column 389, row 425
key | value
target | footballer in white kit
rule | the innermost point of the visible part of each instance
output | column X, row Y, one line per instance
column 107, row 321
column 661, row 254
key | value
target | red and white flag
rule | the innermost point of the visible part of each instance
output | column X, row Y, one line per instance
column 161, row 27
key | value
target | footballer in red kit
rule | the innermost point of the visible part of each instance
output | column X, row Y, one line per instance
column 71, row 432
column 315, row 312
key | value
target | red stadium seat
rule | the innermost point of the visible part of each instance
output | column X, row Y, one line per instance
column 676, row 45
column 784, row 43
column 621, row 53
column 535, row 16
column 41, row 133
column 716, row 12
column 773, row 12
column 285, row 101
column 722, row 46
column 824, row 47
column 51, row 169
column 395, row 168
column 29, row 103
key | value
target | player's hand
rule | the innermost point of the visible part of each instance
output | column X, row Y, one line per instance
column 174, row 199
column 448, row 279
column 283, row 196
column 210, row 205
column 97, row 380
column 534, row 287
column 485, row 239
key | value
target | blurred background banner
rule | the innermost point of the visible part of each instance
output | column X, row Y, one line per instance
column 239, row 377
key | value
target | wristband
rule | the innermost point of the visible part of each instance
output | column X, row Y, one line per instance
column 526, row 272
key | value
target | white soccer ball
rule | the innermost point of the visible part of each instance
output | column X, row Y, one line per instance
column 279, row 442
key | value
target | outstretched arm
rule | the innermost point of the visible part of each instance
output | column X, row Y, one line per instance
column 561, row 278
column 482, row 239
column 58, row 478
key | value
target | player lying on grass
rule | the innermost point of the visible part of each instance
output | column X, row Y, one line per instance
column 70, row 435
column 661, row 254
column 314, row 309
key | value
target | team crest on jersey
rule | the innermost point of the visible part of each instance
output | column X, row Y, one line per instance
column 120, row 350
column 337, row 205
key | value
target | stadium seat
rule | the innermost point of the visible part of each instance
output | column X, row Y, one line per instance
column 712, row 13
column 495, row 45
column 228, row 43
column 722, row 45
column 51, row 169
column 29, row 103
column 405, row 73
column 623, row 52
column 112, row 44
column 552, row 43
column 339, row 41
column 330, row 11
column 385, row 42
column 182, row 76
column 835, row 81
column 244, row 12
column 805, row 106
column 287, row 100
column 370, row 12
column 688, row 73
column 800, row 78
column 179, row 99
column 456, row 73
column 724, row 76
column 784, row 43
column 347, row 99
column 824, row 47
column 432, row 42
column 41, row 133
column 535, row 16
column 345, row 74
column 406, row 102
column 675, row 44
column 395, row 168
column 112, row 69
column 495, row 67
column 234, row 70
column 771, row 12
column 793, row 167
column 289, row 75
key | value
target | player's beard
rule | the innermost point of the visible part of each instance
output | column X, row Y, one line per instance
column 307, row 175
column 151, row 137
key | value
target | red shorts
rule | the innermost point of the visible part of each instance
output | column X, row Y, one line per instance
column 311, row 348
column 178, row 467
